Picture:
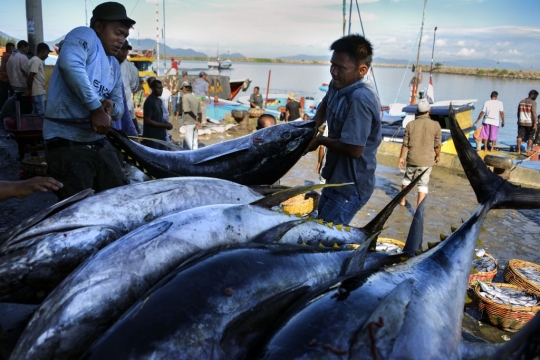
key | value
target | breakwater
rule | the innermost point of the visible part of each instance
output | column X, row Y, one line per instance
column 467, row 71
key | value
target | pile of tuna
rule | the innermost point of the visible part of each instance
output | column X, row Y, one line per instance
column 199, row 268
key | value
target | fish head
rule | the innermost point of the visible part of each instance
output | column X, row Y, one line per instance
column 278, row 148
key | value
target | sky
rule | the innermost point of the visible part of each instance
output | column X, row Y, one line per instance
column 499, row 30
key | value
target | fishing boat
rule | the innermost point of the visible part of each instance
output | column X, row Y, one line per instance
column 219, row 64
column 278, row 102
column 143, row 61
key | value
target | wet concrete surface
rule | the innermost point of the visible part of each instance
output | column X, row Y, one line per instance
column 508, row 234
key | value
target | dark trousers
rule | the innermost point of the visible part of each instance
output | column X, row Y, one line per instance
column 4, row 93
column 80, row 167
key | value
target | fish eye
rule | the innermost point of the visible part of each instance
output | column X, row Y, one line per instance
column 287, row 136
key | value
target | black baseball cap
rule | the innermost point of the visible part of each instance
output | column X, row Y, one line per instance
column 126, row 45
column 43, row 46
column 111, row 11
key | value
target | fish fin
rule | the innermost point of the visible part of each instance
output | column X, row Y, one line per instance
column 355, row 262
column 243, row 331
column 479, row 350
column 416, row 232
column 443, row 237
column 489, row 187
column 42, row 215
column 453, row 228
column 379, row 220
column 244, row 147
column 278, row 197
column 379, row 333
column 275, row 234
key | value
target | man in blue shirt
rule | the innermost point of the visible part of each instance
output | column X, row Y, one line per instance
column 85, row 96
column 352, row 110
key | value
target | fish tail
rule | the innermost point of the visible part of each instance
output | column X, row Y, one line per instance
column 377, row 223
column 489, row 187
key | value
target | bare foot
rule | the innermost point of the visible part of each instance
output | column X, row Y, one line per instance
column 403, row 203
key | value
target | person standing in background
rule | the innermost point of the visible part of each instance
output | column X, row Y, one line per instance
column 421, row 141
column 155, row 126
column 17, row 70
column 492, row 110
column 293, row 109
column 130, row 80
column 200, row 89
column 191, row 108
column 255, row 99
column 526, row 115
column 36, row 79
column 5, row 87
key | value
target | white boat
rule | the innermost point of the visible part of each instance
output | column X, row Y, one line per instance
column 219, row 64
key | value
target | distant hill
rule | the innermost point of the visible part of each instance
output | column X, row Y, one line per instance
column 472, row 63
column 306, row 57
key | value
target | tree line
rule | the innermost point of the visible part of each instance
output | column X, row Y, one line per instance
column 4, row 41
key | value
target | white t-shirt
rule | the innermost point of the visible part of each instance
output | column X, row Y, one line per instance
column 35, row 65
column 492, row 109
column 166, row 98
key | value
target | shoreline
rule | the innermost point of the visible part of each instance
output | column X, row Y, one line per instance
column 465, row 71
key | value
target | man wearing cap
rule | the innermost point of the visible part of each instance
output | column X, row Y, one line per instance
column 293, row 110
column 130, row 80
column 191, row 108
column 85, row 96
column 36, row 79
column 17, row 70
column 422, row 144
column 200, row 88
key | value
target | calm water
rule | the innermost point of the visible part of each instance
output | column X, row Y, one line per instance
column 305, row 80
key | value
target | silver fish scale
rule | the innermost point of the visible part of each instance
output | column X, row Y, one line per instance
column 531, row 274
column 484, row 264
column 388, row 248
column 507, row 296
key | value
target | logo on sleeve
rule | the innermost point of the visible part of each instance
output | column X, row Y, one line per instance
column 84, row 44
column 101, row 90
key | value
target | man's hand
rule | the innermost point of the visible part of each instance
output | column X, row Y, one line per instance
column 22, row 189
column 401, row 163
column 198, row 125
column 108, row 106
column 101, row 120
column 437, row 158
column 168, row 126
column 313, row 145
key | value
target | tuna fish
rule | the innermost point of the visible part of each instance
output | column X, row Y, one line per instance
column 185, row 315
column 92, row 297
column 412, row 310
column 260, row 158
column 38, row 254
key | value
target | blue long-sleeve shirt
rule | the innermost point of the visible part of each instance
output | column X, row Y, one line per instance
column 83, row 77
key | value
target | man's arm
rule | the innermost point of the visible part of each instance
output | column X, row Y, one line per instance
column 502, row 118
column 437, row 155
column 22, row 189
column 134, row 78
column 533, row 114
column 30, row 83
column 352, row 151
column 320, row 159
column 287, row 115
column 320, row 115
column 479, row 117
column 401, row 162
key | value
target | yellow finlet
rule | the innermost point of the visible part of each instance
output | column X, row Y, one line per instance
column 330, row 225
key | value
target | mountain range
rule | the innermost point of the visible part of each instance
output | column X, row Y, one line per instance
column 149, row 44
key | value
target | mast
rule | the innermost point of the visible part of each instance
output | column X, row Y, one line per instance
column 430, row 91
column 344, row 16
column 415, row 84
column 164, row 47
column 157, row 35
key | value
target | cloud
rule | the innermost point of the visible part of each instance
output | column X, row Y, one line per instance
column 514, row 52
column 503, row 44
column 466, row 52
column 461, row 43
column 390, row 40
column 440, row 42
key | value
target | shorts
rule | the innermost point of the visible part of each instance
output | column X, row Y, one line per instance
column 489, row 132
column 525, row 133
column 414, row 171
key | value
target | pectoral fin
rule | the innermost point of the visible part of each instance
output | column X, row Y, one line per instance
column 239, row 149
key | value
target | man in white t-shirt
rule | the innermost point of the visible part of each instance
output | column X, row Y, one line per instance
column 492, row 110
column 35, row 83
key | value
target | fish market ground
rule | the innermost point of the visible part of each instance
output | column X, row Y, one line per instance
column 508, row 234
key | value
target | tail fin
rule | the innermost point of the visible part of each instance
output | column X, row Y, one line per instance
column 377, row 223
column 485, row 183
column 416, row 232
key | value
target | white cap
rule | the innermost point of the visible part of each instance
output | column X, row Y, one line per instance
column 423, row 106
